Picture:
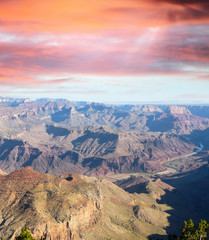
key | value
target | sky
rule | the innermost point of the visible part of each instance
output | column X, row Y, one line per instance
column 112, row 51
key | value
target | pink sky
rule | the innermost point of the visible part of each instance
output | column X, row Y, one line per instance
column 105, row 50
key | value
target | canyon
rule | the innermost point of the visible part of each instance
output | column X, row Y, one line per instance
column 79, row 170
column 75, row 207
column 97, row 139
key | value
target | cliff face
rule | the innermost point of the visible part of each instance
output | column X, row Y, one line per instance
column 177, row 119
column 2, row 172
column 177, row 110
column 70, row 207
column 97, row 139
column 51, row 207
column 94, row 152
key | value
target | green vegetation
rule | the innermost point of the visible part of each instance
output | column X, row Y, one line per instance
column 24, row 235
column 189, row 232
column 192, row 232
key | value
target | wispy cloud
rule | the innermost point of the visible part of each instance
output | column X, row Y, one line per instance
column 47, row 44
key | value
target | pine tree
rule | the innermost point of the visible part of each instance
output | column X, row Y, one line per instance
column 191, row 232
column 25, row 235
column 188, row 230
column 201, row 231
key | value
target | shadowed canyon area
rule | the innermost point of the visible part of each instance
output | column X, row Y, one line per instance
column 79, row 170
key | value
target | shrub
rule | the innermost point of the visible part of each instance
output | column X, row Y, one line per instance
column 25, row 235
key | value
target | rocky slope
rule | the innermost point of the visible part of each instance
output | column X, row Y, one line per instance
column 177, row 119
column 90, row 138
column 92, row 152
column 76, row 207
column 186, row 194
column 2, row 172
column 190, row 199
column 119, row 118
column 201, row 111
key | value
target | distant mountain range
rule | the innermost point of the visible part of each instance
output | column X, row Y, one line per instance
column 58, row 136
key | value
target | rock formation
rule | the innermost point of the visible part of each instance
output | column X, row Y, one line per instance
column 60, row 137
column 72, row 207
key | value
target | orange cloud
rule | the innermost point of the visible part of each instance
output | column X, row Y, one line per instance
column 18, row 80
column 119, row 37
column 148, row 52
column 93, row 16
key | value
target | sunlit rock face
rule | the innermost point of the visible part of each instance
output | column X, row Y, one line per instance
column 72, row 207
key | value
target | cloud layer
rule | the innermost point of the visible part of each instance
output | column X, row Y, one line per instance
column 49, row 44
